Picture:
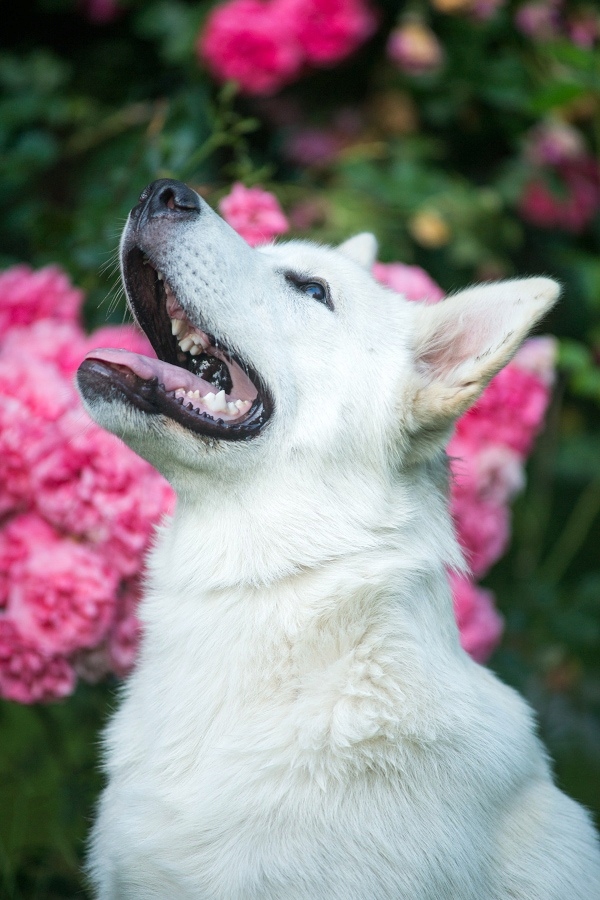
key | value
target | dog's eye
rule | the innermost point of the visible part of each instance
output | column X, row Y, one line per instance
column 315, row 289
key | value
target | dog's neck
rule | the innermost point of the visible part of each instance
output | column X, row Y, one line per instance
column 281, row 529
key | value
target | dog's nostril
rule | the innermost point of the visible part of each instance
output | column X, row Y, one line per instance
column 168, row 197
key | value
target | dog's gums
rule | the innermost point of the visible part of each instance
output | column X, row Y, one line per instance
column 195, row 381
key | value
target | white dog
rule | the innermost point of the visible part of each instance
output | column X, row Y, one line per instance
column 302, row 723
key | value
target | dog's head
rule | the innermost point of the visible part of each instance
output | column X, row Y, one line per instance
column 288, row 352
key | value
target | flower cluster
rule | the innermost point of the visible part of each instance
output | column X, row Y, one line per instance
column 254, row 213
column 265, row 44
column 77, row 508
column 487, row 453
column 564, row 196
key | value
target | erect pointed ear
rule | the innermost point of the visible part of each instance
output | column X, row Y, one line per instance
column 462, row 342
column 362, row 248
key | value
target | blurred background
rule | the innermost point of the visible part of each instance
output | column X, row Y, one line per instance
column 464, row 133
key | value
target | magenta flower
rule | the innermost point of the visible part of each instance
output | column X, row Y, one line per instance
column 479, row 622
column 327, row 30
column 411, row 281
column 254, row 213
column 78, row 507
column 26, row 296
column 27, row 675
column 248, row 42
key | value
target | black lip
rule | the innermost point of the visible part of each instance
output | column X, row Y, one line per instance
column 146, row 295
column 110, row 381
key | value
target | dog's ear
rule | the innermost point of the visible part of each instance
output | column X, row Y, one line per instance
column 460, row 343
column 362, row 248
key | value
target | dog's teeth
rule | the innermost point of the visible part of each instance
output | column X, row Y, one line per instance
column 220, row 402
column 232, row 408
column 195, row 350
column 243, row 405
column 177, row 326
column 209, row 400
column 186, row 343
column 160, row 276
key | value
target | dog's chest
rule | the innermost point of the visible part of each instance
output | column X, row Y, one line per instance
column 280, row 764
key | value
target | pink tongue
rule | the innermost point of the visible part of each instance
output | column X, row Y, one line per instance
column 173, row 377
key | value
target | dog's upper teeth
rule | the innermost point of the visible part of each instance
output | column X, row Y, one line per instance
column 186, row 343
column 160, row 276
column 177, row 326
column 195, row 350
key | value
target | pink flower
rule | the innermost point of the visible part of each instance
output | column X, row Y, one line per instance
column 414, row 48
column 583, row 27
column 554, row 142
column 17, row 538
column 28, row 675
column 254, row 213
column 62, row 344
column 244, row 40
column 61, row 597
column 26, row 296
column 538, row 356
column 509, row 412
column 90, row 485
column 479, row 622
column 313, row 146
column 492, row 472
column 32, row 398
column 539, row 20
column 327, row 30
column 411, row 281
column 124, row 337
column 482, row 528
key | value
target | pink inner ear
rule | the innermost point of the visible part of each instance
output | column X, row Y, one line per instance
column 459, row 337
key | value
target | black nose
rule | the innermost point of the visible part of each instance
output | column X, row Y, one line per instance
column 166, row 197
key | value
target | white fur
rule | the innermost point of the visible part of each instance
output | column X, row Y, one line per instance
column 302, row 722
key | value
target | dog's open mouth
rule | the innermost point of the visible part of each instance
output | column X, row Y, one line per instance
column 196, row 380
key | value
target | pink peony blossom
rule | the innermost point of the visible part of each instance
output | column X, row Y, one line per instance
column 77, row 506
column 124, row 337
column 61, row 597
column 479, row 622
column 92, row 486
column 583, row 27
column 246, row 41
column 17, row 538
column 27, row 295
column 27, row 675
column 509, row 412
column 254, row 213
column 538, row 356
column 482, row 528
column 62, row 344
column 414, row 48
column 539, row 19
column 411, row 281
column 327, row 30
column 33, row 396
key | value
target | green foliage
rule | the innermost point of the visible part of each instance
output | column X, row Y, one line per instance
column 436, row 166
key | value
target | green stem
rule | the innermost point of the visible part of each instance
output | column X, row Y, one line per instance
column 574, row 533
